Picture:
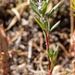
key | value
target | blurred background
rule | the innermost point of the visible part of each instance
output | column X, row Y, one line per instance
column 27, row 48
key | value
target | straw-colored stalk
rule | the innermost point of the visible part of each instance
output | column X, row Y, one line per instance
column 4, row 66
column 73, row 47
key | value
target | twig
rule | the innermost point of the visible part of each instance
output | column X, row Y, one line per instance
column 15, row 37
column 71, row 23
column 64, row 49
column 72, row 18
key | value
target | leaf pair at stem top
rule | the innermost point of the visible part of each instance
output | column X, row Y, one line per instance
column 44, row 17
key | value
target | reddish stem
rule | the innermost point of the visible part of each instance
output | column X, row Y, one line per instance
column 47, row 40
column 4, row 72
column 49, row 73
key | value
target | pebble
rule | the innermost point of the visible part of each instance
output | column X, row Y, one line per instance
column 15, row 73
column 56, row 69
column 13, row 67
column 24, row 22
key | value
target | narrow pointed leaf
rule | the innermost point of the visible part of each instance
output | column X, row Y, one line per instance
column 57, row 48
column 44, row 35
column 74, row 3
column 44, row 8
column 74, row 15
column 48, row 53
column 36, row 0
column 54, row 59
column 41, row 25
column 48, row 25
column 55, row 55
column 35, row 8
column 51, row 53
column 41, row 20
column 53, row 9
column 74, row 0
column 72, row 7
column 54, row 26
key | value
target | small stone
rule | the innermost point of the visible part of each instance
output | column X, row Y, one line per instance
column 56, row 69
column 22, row 46
column 24, row 22
column 15, row 73
column 20, row 60
column 13, row 67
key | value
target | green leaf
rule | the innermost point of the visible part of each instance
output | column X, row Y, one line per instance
column 47, row 1
column 36, row 0
column 74, row 3
column 44, row 8
column 57, row 48
column 35, row 8
column 41, row 25
column 73, row 0
column 41, row 20
column 48, row 25
column 54, row 59
column 51, row 53
column 74, row 15
column 48, row 53
column 55, row 55
column 53, row 9
column 72, row 7
column 54, row 26
column 44, row 35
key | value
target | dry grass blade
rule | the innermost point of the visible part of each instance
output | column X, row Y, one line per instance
column 37, row 47
column 15, row 37
column 18, row 53
column 73, row 38
column 16, row 13
column 4, row 50
column 14, row 20
column 29, row 51
column 64, row 49
column 40, row 59
column 73, row 47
